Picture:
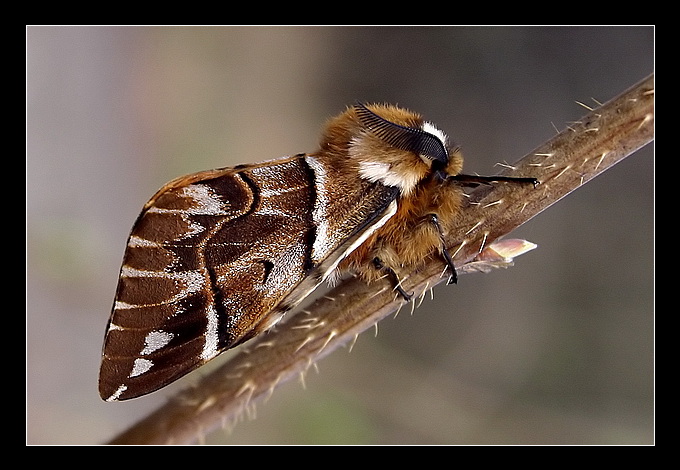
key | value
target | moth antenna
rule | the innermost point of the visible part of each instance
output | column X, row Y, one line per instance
column 402, row 137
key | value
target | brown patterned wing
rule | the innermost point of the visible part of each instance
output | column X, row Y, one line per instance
column 217, row 257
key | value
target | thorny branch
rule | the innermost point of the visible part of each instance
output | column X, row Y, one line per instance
column 585, row 149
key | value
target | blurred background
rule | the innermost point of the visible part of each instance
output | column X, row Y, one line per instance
column 556, row 350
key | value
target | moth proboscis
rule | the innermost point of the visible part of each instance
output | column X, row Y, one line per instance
column 220, row 256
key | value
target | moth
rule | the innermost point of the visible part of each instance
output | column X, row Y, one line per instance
column 219, row 256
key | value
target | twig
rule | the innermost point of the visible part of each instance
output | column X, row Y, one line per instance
column 599, row 140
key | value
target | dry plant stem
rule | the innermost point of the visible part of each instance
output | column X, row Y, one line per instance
column 573, row 157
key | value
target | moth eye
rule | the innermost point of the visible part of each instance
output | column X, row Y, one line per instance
column 402, row 137
column 439, row 170
column 438, row 166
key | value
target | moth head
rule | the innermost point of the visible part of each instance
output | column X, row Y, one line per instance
column 392, row 145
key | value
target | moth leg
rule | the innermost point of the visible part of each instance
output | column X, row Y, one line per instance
column 377, row 262
column 453, row 278
column 475, row 180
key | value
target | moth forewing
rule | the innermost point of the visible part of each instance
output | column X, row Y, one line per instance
column 217, row 257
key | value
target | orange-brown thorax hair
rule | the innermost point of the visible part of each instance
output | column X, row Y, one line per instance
column 409, row 236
